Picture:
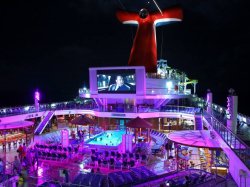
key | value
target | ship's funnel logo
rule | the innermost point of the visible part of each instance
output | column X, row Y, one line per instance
column 144, row 51
column 143, row 13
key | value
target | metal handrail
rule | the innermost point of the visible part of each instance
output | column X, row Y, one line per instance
column 132, row 110
column 177, row 173
column 223, row 109
column 235, row 135
column 229, row 140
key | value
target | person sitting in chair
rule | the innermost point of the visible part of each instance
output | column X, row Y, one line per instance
column 119, row 85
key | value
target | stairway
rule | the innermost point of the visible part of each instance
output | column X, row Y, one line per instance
column 44, row 122
column 161, row 102
column 98, row 102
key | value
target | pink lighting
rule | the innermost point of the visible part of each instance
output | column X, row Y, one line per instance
column 40, row 171
column 195, row 138
column 37, row 96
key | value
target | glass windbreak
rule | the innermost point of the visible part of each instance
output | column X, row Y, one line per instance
column 234, row 142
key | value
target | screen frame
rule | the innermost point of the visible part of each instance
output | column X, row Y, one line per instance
column 113, row 73
column 140, row 81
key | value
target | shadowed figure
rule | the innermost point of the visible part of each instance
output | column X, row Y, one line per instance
column 144, row 51
column 119, row 85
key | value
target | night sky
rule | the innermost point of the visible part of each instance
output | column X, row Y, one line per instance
column 50, row 44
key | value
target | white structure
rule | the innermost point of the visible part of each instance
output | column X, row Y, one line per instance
column 37, row 99
column 65, row 137
column 127, row 143
column 209, row 101
column 232, row 111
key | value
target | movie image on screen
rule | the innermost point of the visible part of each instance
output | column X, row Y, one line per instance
column 116, row 81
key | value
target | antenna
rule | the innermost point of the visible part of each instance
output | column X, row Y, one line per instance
column 157, row 6
column 123, row 7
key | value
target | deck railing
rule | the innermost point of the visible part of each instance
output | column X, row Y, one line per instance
column 12, row 111
column 118, row 109
column 241, row 149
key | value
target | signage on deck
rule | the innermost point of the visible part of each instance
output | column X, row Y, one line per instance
column 118, row 115
column 32, row 115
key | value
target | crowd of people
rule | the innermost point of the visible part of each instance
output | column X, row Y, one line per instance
column 21, row 164
column 25, row 160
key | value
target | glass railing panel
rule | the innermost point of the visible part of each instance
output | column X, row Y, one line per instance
column 230, row 139
column 164, row 91
column 72, row 105
column 234, row 142
column 217, row 126
column 237, row 144
column 44, row 107
column 226, row 136
column 241, row 152
column 147, row 109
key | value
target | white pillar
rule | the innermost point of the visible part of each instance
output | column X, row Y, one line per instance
column 65, row 137
column 195, row 88
column 159, row 124
column 135, row 105
column 232, row 111
column 126, row 143
column 185, row 85
column 37, row 99
column 209, row 102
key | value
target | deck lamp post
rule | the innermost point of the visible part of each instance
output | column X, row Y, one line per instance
column 232, row 110
column 37, row 97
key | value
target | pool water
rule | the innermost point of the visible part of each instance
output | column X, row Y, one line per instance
column 108, row 138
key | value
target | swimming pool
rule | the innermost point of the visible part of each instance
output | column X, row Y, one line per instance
column 108, row 138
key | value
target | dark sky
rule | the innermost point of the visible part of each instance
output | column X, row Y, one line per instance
column 50, row 44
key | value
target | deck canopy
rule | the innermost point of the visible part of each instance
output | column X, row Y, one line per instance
column 83, row 120
column 139, row 123
column 16, row 125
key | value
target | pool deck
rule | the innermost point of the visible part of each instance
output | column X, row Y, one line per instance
column 105, row 139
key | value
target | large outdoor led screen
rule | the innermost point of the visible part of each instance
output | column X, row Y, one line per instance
column 116, row 81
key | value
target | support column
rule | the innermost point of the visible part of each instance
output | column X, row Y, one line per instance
column 105, row 103
column 135, row 105
column 65, row 137
column 195, row 88
column 127, row 144
column 198, row 122
column 209, row 101
column 37, row 99
column 4, row 149
column 232, row 110
column 185, row 84
column 159, row 124
column 149, row 139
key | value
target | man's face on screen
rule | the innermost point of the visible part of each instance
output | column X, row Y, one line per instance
column 119, row 80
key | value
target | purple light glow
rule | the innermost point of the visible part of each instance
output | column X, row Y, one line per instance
column 37, row 96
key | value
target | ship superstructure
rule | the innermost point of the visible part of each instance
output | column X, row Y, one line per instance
column 164, row 96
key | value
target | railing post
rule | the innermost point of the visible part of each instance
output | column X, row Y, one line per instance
column 234, row 142
column 230, row 142
column 227, row 136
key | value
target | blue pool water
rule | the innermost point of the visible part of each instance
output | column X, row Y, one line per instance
column 108, row 138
